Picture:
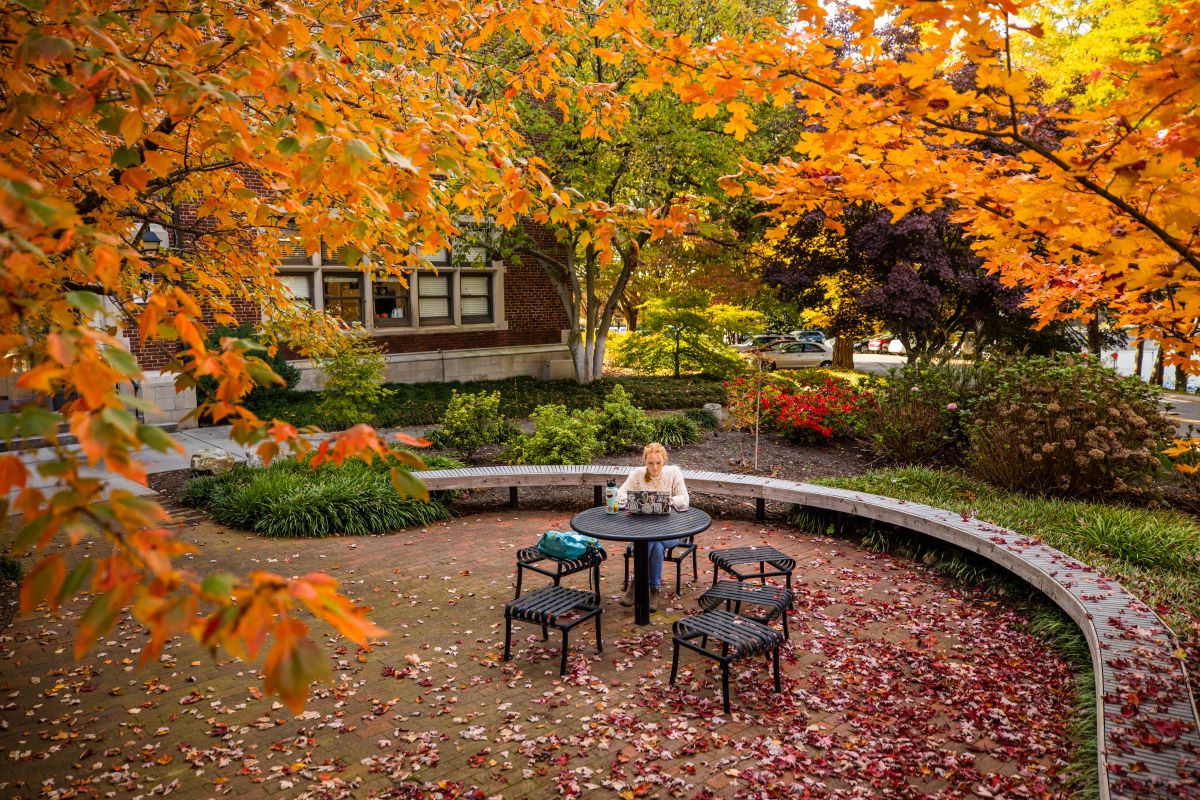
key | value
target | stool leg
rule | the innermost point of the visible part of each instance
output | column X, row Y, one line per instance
column 562, row 668
column 762, row 572
column 725, row 684
column 678, row 569
column 625, row 583
column 599, row 641
column 507, row 637
column 695, row 569
column 545, row 632
column 674, row 662
column 786, row 635
column 520, row 574
column 778, row 687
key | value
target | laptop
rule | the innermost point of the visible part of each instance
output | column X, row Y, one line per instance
column 644, row 502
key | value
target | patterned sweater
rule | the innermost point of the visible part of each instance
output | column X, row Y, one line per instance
column 669, row 480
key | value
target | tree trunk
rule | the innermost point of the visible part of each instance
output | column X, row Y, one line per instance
column 843, row 353
column 1093, row 335
column 1180, row 378
column 1138, row 354
column 1157, row 375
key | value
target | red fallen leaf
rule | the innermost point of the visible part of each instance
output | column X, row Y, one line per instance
column 194, row 697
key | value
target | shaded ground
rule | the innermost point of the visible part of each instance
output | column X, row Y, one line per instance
column 897, row 684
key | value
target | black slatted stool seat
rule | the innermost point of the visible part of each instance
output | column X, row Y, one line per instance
column 544, row 607
column 762, row 555
column 741, row 637
column 776, row 600
column 557, row 568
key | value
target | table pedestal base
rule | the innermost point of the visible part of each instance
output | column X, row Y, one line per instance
column 641, row 582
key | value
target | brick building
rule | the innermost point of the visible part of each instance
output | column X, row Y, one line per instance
column 464, row 318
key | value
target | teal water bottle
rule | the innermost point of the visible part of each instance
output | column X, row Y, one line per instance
column 610, row 498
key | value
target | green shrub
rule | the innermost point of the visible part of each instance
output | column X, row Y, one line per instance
column 559, row 437
column 425, row 403
column 470, row 421
column 622, row 424
column 354, row 389
column 1066, row 426
column 705, row 420
column 673, row 430
column 919, row 412
column 290, row 499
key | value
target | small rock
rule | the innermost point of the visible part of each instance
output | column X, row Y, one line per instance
column 718, row 411
column 212, row 461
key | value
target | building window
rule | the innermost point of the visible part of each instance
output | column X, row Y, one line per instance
column 476, row 297
column 292, row 249
column 344, row 296
column 298, row 285
column 392, row 307
column 433, row 294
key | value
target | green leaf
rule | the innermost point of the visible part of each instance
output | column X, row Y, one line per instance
column 360, row 150
column 120, row 419
column 37, row 421
column 157, row 438
column 62, row 85
column 122, row 361
column 351, row 254
column 218, row 586
column 126, row 156
column 90, row 302
column 74, row 580
column 56, row 468
column 288, row 145
column 408, row 485
column 8, row 426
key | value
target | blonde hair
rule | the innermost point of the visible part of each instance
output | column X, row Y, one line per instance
column 654, row 447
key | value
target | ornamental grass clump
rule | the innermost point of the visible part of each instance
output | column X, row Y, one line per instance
column 673, row 430
column 1066, row 426
column 289, row 499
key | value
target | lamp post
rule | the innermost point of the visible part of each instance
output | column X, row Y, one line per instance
column 150, row 242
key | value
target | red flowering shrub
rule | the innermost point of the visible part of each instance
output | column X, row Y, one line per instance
column 832, row 408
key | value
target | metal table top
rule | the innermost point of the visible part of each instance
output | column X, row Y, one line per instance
column 626, row 527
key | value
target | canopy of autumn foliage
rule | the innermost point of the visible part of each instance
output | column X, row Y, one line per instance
column 386, row 127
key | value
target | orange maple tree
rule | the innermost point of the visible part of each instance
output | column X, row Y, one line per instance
column 373, row 127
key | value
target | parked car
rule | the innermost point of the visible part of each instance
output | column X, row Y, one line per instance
column 896, row 347
column 812, row 335
column 861, row 345
column 760, row 340
column 879, row 344
column 793, row 355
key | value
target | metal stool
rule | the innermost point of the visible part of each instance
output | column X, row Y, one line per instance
column 544, row 606
column 762, row 555
column 776, row 600
column 741, row 637
column 530, row 558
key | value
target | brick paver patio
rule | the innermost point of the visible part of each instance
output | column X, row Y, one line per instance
column 895, row 685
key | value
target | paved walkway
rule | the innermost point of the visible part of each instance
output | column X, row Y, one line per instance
column 896, row 684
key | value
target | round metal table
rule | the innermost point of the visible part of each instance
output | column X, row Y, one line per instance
column 641, row 529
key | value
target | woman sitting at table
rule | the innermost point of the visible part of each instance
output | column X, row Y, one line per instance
column 655, row 476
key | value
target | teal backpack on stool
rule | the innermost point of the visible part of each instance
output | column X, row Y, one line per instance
column 567, row 545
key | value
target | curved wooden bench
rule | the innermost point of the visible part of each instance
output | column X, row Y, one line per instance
column 1148, row 737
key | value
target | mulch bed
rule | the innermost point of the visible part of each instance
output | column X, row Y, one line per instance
column 718, row 451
